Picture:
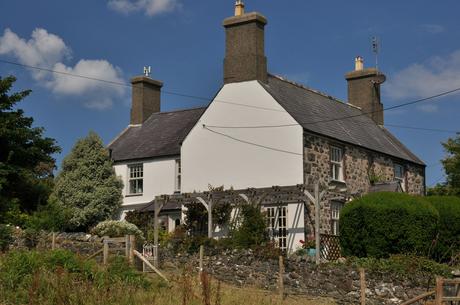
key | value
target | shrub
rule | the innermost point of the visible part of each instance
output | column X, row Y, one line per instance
column 196, row 219
column 381, row 224
column 417, row 268
column 448, row 241
column 6, row 237
column 115, row 228
column 143, row 220
column 253, row 229
column 50, row 217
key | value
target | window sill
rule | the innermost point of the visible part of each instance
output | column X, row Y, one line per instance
column 338, row 181
column 134, row 195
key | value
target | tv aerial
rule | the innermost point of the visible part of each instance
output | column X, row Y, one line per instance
column 147, row 71
column 376, row 50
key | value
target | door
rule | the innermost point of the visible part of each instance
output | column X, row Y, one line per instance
column 277, row 225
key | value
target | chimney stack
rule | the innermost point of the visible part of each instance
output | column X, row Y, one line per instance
column 364, row 90
column 146, row 94
column 245, row 46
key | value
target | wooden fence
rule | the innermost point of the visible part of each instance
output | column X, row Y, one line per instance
column 447, row 293
column 128, row 246
column 330, row 247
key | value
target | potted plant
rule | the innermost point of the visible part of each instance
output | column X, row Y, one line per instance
column 309, row 246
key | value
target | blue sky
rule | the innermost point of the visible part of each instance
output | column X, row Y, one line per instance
column 312, row 42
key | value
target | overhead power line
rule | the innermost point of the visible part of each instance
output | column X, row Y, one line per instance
column 129, row 85
column 251, row 143
column 251, row 106
column 350, row 116
column 424, row 129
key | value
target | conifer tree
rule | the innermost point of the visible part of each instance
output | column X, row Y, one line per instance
column 87, row 185
column 26, row 158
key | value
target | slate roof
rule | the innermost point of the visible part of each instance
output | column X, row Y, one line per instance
column 160, row 135
column 323, row 114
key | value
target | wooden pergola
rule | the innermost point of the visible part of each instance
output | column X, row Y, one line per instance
column 275, row 195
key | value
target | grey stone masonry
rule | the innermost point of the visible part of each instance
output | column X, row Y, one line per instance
column 361, row 168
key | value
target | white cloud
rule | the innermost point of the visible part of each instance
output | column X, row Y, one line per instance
column 49, row 51
column 419, row 80
column 433, row 28
column 42, row 49
column 149, row 7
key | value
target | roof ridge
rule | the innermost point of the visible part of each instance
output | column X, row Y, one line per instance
column 180, row 110
column 302, row 86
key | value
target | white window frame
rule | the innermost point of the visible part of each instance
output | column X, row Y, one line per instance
column 336, row 208
column 277, row 225
column 402, row 178
column 136, row 175
column 337, row 163
column 178, row 176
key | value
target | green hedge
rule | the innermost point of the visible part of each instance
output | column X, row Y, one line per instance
column 448, row 241
column 381, row 224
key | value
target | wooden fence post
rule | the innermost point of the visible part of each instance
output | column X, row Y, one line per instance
column 439, row 292
column 132, row 246
column 105, row 250
column 201, row 259
column 53, row 241
column 317, row 225
column 127, row 245
column 362, row 281
column 281, row 277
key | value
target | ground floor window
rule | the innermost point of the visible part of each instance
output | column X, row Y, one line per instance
column 277, row 225
column 336, row 207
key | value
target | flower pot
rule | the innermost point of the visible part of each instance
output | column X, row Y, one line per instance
column 312, row 252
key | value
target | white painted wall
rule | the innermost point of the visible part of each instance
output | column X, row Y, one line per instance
column 296, row 226
column 210, row 158
column 159, row 179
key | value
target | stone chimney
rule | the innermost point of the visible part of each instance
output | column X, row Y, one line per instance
column 364, row 90
column 146, row 94
column 245, row 46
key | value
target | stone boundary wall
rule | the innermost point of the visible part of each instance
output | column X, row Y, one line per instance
column 81, row 243
column 242, row 268
column 302, row 277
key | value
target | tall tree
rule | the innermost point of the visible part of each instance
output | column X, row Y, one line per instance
column 26, row 161
column 87, row 184
column 451, row 165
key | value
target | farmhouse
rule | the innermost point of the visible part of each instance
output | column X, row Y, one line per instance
column 260, row 131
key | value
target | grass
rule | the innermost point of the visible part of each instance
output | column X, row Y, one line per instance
column 62, row 278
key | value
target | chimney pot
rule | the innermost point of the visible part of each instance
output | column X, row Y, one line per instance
column 146, row 94
column 239, row 8
column 359, row 63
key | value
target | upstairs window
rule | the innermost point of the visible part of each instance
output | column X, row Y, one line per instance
column 400, row 176
column 136, row 179
column 178, row 181
column 336, row 163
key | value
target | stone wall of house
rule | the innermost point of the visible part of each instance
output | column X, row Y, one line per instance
column 361, row 167
column 339, row 281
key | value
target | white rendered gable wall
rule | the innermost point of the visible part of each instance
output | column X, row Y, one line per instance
column 210, row 158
